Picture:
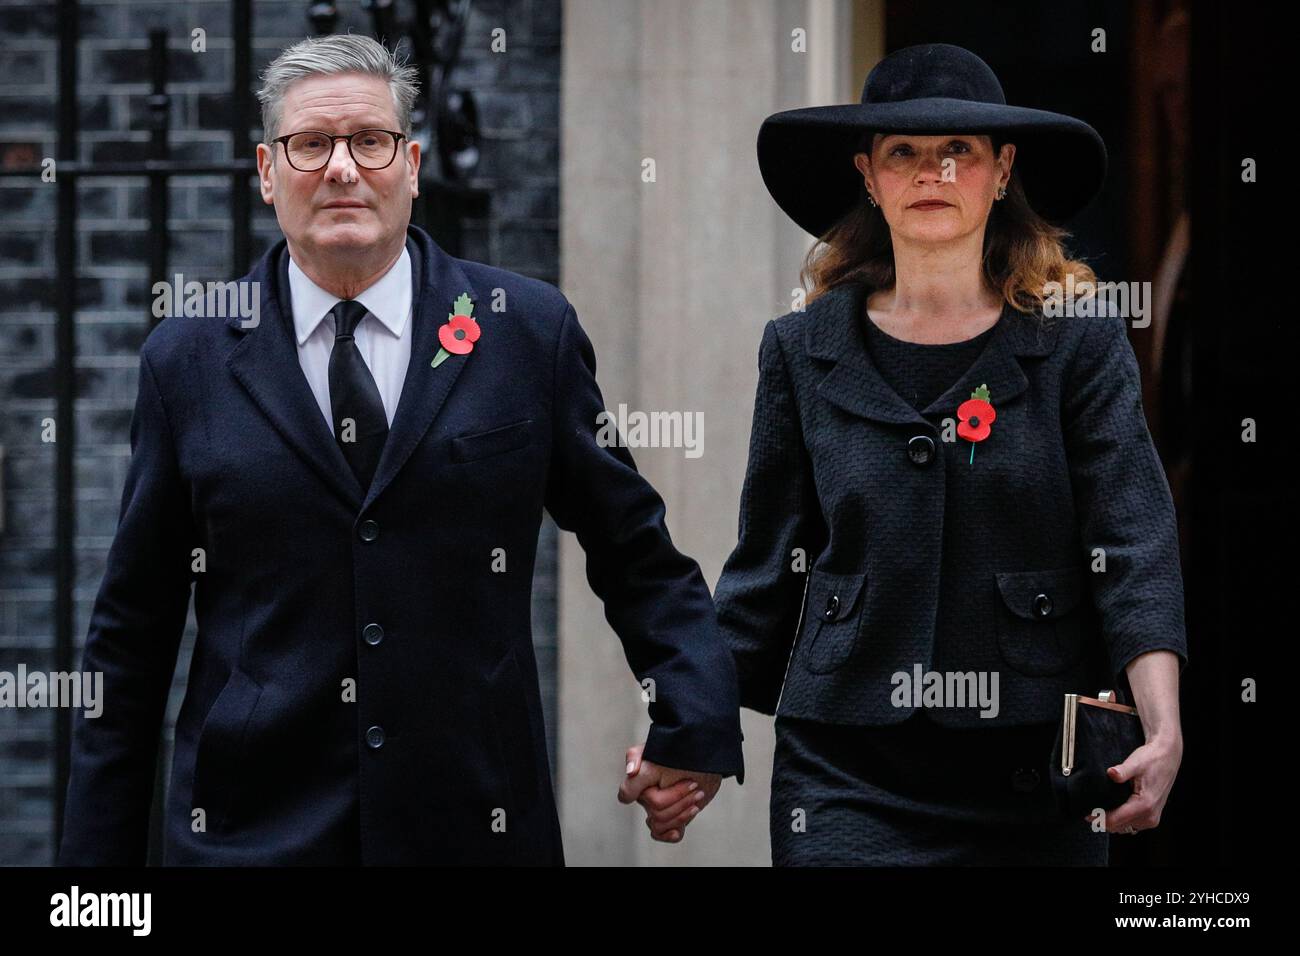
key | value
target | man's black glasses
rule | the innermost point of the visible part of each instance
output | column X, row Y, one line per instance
column 311, row 150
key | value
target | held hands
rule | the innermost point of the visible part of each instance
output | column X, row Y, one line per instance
column 1152, row 769
column 671, row 797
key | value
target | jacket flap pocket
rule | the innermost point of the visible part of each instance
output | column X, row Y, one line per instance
column 492, row 442
column 832, row 597
column 1041, row 595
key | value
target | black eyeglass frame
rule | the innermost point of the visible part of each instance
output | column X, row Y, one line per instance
column 397, row 143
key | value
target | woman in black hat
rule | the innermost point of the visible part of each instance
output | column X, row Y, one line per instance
column 953, row 513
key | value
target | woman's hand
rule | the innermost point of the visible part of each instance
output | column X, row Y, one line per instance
column 672, row 798
column 1153, row 766
column 1152, row 769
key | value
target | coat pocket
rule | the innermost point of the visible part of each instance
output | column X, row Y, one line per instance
column 514, row 730
column 220, row 751
column 495, row 441
column 831, row 618
column 1040, row 626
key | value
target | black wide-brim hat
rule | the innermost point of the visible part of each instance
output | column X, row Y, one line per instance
column 806, row 155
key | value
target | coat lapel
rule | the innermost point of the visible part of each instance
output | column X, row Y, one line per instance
column 834, row 333
column 438, row 280
column 266, row 364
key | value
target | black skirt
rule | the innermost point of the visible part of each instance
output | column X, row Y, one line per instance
column 918, row 794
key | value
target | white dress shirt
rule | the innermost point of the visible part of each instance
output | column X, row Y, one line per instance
column 383, row 336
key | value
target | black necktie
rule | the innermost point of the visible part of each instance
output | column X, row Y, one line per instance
column 360, row 425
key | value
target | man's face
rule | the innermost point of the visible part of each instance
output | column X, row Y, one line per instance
column 343, row 207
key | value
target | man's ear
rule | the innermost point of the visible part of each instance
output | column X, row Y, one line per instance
column 265, row 159
column 413, row 163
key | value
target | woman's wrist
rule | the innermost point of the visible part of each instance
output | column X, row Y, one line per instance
column 1167, row 739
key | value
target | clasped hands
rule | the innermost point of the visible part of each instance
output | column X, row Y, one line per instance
column 672, row 798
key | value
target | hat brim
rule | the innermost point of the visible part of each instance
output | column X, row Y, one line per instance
column 805, row 155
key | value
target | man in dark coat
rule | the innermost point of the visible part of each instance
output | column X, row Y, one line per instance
column 363, row 686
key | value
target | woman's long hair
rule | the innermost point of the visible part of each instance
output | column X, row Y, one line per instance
column 1022, row 251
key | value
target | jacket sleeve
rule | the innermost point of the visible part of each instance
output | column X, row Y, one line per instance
column 655, row 598
column 760, row 593
column 1122, row 499
column 135, row 630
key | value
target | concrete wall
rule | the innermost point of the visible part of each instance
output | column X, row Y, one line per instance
column 674, row 280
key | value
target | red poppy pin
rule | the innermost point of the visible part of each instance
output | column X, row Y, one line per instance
column 460, row 333
column 976, row 416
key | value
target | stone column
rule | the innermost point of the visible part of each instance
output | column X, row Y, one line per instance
column 674, row 279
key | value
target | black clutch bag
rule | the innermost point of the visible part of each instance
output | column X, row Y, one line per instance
column 1095, row 733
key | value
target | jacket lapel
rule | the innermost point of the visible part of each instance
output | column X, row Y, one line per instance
column 266, row 364
column 438, row 280
column 834, row 333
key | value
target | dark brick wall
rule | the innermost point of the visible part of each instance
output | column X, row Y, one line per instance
column 518, row 96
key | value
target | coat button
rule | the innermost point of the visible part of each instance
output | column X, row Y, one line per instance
column 368, row 529
column 373, row 633
column 375, row 737
column 1024, row 779
column 1042, row 606
column 832, row 606
column 921, row 450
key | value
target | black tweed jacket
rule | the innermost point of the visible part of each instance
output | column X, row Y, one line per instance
column 1050, row 558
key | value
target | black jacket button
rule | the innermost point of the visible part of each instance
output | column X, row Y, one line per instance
column 373, row 634
column 1024, row 779
column 1042, row 606
column 375, row 737
column 832, row 606
column 368, row 530
column 921, row 450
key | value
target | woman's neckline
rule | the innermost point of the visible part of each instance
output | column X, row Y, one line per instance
column 930, row 345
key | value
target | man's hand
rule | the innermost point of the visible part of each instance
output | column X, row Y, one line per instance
column 671, row 797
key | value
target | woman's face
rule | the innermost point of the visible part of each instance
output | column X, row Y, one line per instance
column 934, row 188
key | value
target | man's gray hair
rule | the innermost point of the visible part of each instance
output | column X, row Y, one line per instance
column 329, row 55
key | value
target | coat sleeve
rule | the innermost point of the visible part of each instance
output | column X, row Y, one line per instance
column 1122, row 499
column 760, row 593
column 135, row 630
column 655, row 598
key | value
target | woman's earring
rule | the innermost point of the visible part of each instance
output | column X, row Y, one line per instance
column 1002, row 192
column 871, row 199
